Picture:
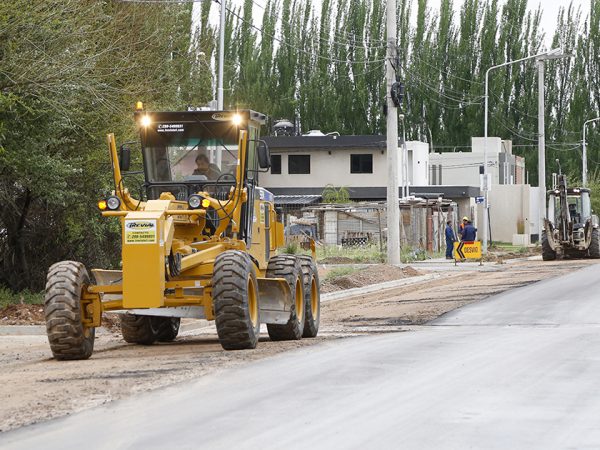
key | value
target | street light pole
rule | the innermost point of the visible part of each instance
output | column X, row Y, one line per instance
column 584, row 153
column 544, row 55
column 555, row 53
column 541, row 148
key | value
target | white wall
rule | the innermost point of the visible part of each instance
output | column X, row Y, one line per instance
column 334, row 168
column 509, row 204
column 494, row 145
column 418, row 163
column 534, row 203
column 462, row 168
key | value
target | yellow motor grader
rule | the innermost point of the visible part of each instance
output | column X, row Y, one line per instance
column 200, row 242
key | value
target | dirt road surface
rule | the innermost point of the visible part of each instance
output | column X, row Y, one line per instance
column 35, row 388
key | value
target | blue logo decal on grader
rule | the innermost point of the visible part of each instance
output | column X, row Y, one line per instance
column 202, row 254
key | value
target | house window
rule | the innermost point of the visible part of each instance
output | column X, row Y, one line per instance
column 298, row 164
column 276, row 164
column 361, row 163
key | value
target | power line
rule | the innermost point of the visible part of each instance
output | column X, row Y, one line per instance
column 287, row 44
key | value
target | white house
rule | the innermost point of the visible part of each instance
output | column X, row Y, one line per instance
column 350, row 161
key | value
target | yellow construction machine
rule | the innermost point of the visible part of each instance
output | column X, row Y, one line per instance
column 200, row 242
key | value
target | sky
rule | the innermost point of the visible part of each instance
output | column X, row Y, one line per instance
column 550, row 11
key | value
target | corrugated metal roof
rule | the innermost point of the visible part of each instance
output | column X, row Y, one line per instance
column 297, row 199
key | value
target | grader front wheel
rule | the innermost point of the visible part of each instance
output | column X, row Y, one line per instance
column 289, row 267
column 68, row 337
column 146, row 330
column 139, row 329
column 168, row 328
column 235, row 301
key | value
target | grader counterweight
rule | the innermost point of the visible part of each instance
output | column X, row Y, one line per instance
column 201, row 242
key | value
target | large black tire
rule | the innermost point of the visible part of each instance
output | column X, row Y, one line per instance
column 547, row 253
column 594, row 250
column 288, row 267
column 168, row 328
column 235, row 300
column 68, row 338
column 312, row 297
column 138, row 329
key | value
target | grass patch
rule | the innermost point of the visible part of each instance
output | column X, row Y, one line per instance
column 8, row 297
column 340, row 272
column 507, row 247
column 292, row 249
column 367, row 254
column 408, row 255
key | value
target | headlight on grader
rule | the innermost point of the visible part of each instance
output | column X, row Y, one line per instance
column 102, row 205
column 113, row 203
column 236, row 119
column 194, row 201
column 145, row 121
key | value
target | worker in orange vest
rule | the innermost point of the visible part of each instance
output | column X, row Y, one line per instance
column 461, row 227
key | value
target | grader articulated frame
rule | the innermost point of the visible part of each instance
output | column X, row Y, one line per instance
column 201, row 244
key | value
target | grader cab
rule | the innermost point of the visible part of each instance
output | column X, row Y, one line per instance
column 200, row 242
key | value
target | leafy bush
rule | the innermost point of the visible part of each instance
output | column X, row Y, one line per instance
column 331, row 194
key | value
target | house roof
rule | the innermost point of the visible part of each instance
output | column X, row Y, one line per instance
column 288, row 200
column 379, row 193
column 325, row 142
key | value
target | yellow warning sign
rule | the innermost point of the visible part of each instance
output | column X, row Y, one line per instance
column 467, row 250
column 140, row 231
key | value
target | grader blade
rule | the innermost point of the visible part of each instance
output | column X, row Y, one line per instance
column 275, row 300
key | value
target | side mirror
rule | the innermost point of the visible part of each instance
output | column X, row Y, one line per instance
column 264, row 156
column 124, row 158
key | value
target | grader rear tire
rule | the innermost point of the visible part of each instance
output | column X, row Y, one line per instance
column 289, row 267
column 168, row 328
column 547, row 253
column 235, row 300
column 312, row 297
column 68, row 338
column 138, row 329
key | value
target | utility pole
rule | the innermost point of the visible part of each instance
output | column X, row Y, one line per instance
column 221, row 56
column 393, row 206
column 220, row 72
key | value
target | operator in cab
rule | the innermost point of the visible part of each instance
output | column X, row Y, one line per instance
column 204, row 167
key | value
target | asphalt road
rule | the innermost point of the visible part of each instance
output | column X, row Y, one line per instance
column 519, row 371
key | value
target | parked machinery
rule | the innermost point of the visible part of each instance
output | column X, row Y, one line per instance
column 570, row 228
column 201, row 244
